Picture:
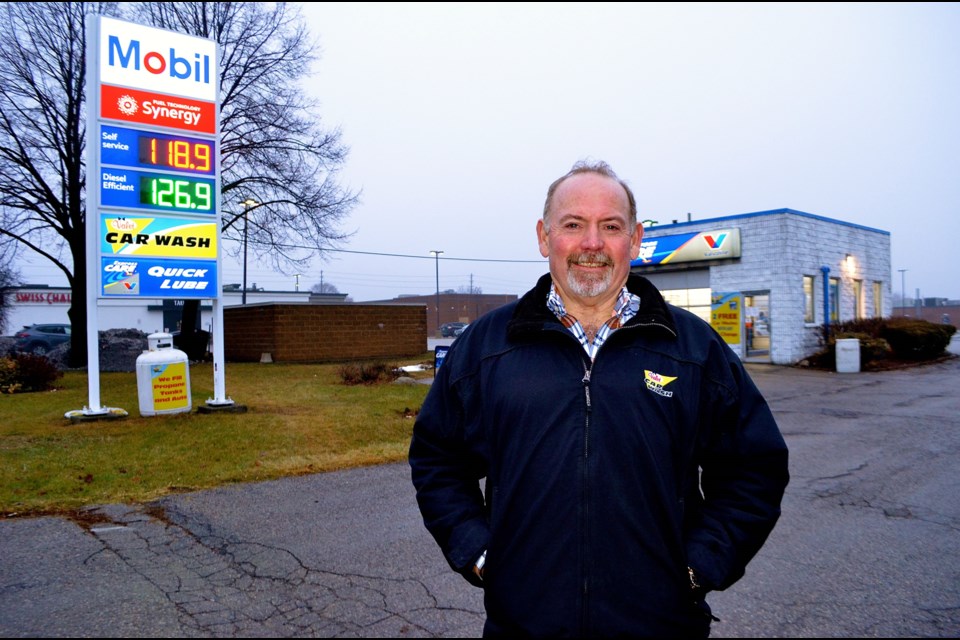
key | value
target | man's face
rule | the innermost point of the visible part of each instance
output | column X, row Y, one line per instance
column 590, row 241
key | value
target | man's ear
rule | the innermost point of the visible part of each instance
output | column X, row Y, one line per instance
column 635, row 240
column 542, row 239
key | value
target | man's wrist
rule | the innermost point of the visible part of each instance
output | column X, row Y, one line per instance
column 479, row 564
column 695, row 587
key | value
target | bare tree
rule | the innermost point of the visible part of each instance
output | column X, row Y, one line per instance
column 42, row 138
column 273, row 149
column 324, row 287
column 9, row 278
column 470, row 289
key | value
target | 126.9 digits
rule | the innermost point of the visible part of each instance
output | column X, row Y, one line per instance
column 176, row 193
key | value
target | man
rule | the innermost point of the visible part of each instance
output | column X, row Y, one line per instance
column 631, row 464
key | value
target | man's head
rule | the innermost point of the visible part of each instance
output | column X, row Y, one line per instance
column 589, row 232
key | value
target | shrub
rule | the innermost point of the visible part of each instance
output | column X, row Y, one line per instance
column 27, row 372
column 871, row 347
column 916, row 339
column 367, row 373
column 8, row 376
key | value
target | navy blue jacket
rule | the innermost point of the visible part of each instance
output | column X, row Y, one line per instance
column 592, row 510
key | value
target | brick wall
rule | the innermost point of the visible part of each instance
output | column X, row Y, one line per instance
column 302, row 332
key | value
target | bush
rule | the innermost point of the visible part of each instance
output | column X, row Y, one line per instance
column 916, row 339
column 372, row 373
column 27, row 372
column 872, row 348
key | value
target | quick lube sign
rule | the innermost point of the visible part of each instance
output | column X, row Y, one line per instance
column 157, row 169
column 133, row 55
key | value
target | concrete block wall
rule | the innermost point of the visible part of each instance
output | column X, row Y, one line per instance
column 778, row 249
column 302, row 332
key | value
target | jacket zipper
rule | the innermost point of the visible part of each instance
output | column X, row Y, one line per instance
column 585, row 545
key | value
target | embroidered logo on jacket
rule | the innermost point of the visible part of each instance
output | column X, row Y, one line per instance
column 656, row 382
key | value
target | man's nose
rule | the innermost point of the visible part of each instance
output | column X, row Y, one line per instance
column 591, row 239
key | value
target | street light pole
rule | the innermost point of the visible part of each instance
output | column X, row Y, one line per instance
column 903, row 292
column 246, row 222
column 436, row 255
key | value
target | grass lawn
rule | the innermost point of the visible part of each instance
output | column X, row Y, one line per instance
column 300, row 419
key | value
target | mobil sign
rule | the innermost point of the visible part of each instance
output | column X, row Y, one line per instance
column 141, row 57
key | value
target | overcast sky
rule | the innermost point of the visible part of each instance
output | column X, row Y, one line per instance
column 458, row 116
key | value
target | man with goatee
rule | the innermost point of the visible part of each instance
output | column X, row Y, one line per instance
column 630, row 464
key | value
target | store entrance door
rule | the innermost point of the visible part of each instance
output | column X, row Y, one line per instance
column 756, row 320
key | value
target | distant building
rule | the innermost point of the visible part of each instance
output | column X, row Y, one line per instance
column 39, row 303
column 454, row 307
column 770, row 280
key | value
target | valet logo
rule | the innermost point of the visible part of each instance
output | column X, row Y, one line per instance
column 142, row 57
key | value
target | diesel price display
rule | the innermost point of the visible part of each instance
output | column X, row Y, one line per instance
column 127, row 189
column 176, row 193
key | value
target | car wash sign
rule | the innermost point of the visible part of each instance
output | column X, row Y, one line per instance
column 156, row 181
column 694, row 246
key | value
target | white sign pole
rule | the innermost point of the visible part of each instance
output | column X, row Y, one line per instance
column 93, row 410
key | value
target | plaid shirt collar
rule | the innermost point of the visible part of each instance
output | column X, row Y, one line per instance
column 625, row 309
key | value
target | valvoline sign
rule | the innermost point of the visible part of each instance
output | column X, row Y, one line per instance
column 134, row 55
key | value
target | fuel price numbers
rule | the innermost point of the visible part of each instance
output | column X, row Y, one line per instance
column 180, row 154
column 149, row 150
column 171, row 192
column 128, row 189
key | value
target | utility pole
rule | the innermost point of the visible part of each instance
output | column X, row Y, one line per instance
column 903, row 292
column 436, row 255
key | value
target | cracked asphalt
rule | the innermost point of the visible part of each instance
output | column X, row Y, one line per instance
column 867, row 545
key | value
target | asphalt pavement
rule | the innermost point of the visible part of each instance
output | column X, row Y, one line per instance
column 866, row 547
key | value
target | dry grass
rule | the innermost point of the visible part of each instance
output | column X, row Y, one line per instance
column 300, row 419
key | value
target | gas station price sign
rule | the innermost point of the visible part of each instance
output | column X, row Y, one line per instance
column 128, row 189
column 151, row 150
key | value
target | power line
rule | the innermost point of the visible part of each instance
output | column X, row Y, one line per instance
column 391, row 255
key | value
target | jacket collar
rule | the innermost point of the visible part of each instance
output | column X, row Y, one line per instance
column 532, row 315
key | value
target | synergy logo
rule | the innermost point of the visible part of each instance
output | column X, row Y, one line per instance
column 142, row 57
column 656, row 382
column 127, row 105
column 714, row 244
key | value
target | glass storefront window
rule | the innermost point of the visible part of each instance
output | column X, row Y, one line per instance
column 835, row 300
column 858, row 299
column 696, row 301
column 808, row 299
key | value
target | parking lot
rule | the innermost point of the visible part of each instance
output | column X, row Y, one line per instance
column 866, row 546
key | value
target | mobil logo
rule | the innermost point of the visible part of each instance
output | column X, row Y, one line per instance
column 128, row 54
column 159, row 60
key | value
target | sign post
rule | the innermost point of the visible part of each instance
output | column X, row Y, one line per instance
column 153, row 177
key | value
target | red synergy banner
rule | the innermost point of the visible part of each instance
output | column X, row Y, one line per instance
column 153, row 109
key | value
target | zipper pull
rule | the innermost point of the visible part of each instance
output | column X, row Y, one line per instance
column 586, row 387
